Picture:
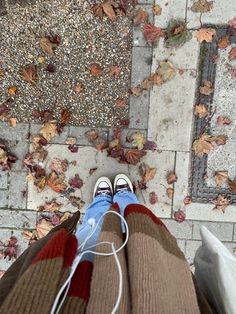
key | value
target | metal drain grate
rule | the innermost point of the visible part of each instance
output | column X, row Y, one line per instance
column 199, row 190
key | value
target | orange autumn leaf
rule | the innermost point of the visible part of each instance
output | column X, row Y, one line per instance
column 121, row 103
column 157, row 9
column 152, row 33
column 107, row 8
column 140, row 16
column 49, row 130
column 114, row 71
column 170, row 192
column 223, row 42
column 147, row 173
column 221, row 177
column 201, row 110
column 205, row 34
column 65, row 116
column 232, row 185
column 232, row 54
column 133, row 156
column 12, row 122
column 95, row 69
column 171, row 178
column 56, row 182
column 12, row 90
column 206, row 88
column 77, row 88
column 203, row 145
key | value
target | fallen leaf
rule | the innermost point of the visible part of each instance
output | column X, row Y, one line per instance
column 220, row 139
column 153, row 198
column 201, row 110
column 221, row 202
column 171, row 178
column 202, row 6
column 187, row 200
column 203, row 145
column 76, row 182
column 207, row 88
column 51, row 206
column 232, row 23
column 92, row 135
column 150, row 145
column 232, row 54
column 232, row 185
column 46, row 46
column 114, row 71
column 121, row 103
column 77, row 88
column 133, row 156
column 170, row 192
column 65, row 216
column 136, row 91
column 152, row 33
column 73, row 148
column 38, row 141
column 166, row 70
column 140, row 16
column 221, row 120
column 71, row 140
column 95, row 69
column 223, row 42
column 12, row 122
column 29, row 74
column 76, row 201
column 137, row 139
column 205, row 34
column 100, row 144
column 177, row 33
column 92, row 170
column 12, row 90
column 43, row 227
column 51, row 68
column 41, row 59
column 55, row 220
column 56, row 181
column 49, row 130
column 65, row 116
column 221, row 177
column 147, row 173
column 40, row 183
column 10, row 249
column 157, row 9
column 106, row 7
column 4, row 111
column 1, row 75
column 231, row 70
column 179, row 215
column 58, row 165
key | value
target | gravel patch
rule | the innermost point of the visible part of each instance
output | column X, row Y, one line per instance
column 84, row 39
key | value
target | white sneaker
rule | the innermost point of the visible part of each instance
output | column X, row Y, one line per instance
column 122, row 183
column 103, row 186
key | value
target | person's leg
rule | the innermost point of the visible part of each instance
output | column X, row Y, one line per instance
column 100, row 204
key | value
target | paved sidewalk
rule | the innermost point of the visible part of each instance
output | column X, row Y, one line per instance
column 164, row 115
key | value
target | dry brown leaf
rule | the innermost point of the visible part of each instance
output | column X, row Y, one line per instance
column 92, row 135
column 58, row 165
column 77, row 88
column 114, row 71
column 170, row 193
column 121, row 103
column 221, row 202
column 95, row 69
column 153, row 198
column 71, row 141
column 47, row 46
column 1, row 75
column 109, row 10
column 50, row 206
column 49, row 130
column 147, row 173
column 223, row 42
column 221, row 177
column 171, row 177
column 40, row 184
column 133, row 156
column 43, row 227
column 140, row 16
column 157, row 9
column 152, row 33
column 232, row 185
column 41, row 59
column 232, row 54
column 202, row 6
column 65, row 216
column 203, row 145
column 207, row 88
column 56, row 182
column 38, row 141
column 29, row 74
column 220, row 139
column 136, row 91
column 12, row 122
column 201, row 110
column 12, row 90
column 205, row 34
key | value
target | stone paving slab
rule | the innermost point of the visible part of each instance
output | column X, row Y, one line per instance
column 138, row 111
column 17, row 193
column 170, row 113
column 88, row 157
column 221, row 13
column 3, row 179
column 59, row 139
column 223, row 231
column 179, row 230
column 3, row 198
column 79, row 134
column 17, row 219
column 141, row 64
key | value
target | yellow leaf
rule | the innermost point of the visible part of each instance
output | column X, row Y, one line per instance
column 157, row 9
column 166, row 70
column 49, row 130
column 12, row 90
column 12, row 122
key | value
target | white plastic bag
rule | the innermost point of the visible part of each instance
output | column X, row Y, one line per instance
column 215, row 272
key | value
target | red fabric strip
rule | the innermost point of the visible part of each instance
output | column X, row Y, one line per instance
column 53, row 248
column 80, row 283
column 137, row 208
column 70, row 250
